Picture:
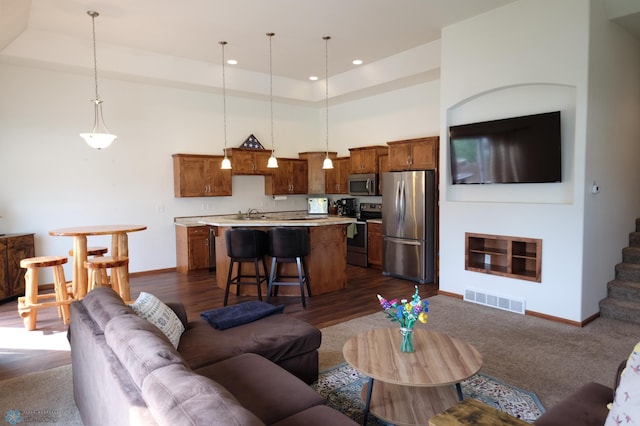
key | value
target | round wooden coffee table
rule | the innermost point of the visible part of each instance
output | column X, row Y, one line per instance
column 410, row 387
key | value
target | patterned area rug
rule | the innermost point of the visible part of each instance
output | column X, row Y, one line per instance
column 341, row 386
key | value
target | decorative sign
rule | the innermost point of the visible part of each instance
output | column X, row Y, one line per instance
column 252, row 142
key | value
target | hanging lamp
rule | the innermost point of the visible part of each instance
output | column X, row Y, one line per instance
column 273, row 161
column 99, row 137
column 327, row 163
column 226, row 163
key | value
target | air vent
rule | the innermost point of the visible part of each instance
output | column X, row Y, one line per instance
column 495, row 301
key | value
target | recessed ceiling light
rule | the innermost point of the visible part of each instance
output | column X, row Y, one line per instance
column 313, row 78
column 232, row 62
column 357, row 62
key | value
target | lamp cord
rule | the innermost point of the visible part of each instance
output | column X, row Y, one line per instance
column 271, row 88
column 95, row 61
column 224, row 98
column 326, row 87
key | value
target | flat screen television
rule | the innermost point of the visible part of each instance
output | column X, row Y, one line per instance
column 512, row 150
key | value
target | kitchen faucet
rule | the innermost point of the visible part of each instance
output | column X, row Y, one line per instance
column 251, row 211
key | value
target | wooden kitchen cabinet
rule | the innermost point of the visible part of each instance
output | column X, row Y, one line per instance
column 192, row 248
column 246, row 161
column 289, row 178
column 414, row 154
column 200, row 176
column 337, row 179
column 374, row 241
column 316, row 177
column 383, row 167
column 365, row 159
column 14, row 248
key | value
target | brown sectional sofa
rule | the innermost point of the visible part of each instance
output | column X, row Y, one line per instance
column 587, row 406
column 126, row 371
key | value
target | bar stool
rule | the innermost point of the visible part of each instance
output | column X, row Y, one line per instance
column 93, row 252
column 119, row 266
column 29, row 304
column 288, row 245
column 245, row 245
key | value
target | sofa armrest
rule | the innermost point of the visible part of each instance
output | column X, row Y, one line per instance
column 179, row 309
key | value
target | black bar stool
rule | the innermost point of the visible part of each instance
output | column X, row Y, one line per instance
column 245, row 245
column 288, row 245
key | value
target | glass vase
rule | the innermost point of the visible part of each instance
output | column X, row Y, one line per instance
column 407, row 339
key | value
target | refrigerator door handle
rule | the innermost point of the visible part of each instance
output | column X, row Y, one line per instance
column 397, row 205
column 403, row 203
column 403, row 241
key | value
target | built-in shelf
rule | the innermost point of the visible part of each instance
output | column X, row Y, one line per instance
column 513, row 257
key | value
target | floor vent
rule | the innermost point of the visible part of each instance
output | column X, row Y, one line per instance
column 495, row 301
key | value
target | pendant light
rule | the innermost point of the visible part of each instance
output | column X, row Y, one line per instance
column 226, row 163
column 273, row 161
column 99, row 137
column 327, row 163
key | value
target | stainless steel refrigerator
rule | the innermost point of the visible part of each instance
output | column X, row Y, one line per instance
column 408, row 225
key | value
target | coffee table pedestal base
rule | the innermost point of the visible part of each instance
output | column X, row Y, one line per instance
column 408, row 405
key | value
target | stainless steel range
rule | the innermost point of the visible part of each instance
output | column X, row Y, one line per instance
column 357, row 241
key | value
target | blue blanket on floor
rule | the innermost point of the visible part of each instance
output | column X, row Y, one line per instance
column 242, row 313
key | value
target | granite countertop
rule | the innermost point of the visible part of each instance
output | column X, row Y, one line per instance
column 265, row 220
column 374, row 221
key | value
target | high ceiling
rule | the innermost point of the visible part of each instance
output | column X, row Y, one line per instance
column 181, row 31
column 176, row 42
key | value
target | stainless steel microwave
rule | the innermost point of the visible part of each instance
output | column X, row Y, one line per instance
column 363, row 184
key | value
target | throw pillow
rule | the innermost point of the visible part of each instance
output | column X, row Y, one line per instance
column 157, row 313
column 626, row 405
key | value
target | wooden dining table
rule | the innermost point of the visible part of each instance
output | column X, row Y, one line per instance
column 119, row 247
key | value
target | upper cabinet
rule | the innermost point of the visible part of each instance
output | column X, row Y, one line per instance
column 365, row 159
column 316, row 175
column 414, row 154
column 289, row 178
column 245, row 161
column 200, row 176
column 336, row 180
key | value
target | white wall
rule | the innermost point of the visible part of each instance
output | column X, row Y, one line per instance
column 52, row 179
column 613, row 150
column 526, row 57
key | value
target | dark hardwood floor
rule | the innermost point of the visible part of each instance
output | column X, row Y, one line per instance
column 198, row 292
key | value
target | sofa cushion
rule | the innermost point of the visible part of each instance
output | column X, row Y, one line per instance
column 626, row 405
column 585, row 407
column 177, row 396
column 139, row 345
column 157, row 313
column 102, row 304
column 320, row 415
column 276, row 337
column 264, row 388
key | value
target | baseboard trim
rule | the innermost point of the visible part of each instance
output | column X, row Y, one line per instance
column 534, row 313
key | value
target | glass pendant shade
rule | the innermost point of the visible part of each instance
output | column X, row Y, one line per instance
column 226, row 163
column 273, row 162
column 327, row 163
column 99, row 137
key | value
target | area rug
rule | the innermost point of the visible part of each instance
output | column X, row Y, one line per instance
column 341, row 386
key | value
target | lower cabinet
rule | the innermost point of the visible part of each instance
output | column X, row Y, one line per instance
column 374, row 250
column 192, row 248
column 14, row 248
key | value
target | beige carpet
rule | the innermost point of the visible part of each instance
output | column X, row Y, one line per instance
column 534, row 354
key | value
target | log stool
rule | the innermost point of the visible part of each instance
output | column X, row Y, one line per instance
column 119, row 266
column 94, row 252
column 29, row 304
column 288, row 245
column 245, row 245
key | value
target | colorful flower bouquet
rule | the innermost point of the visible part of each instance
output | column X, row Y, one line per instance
column 406, row 313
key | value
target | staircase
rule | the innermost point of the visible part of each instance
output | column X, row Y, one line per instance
column 623, row 293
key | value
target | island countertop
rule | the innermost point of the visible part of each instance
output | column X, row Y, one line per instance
column 270, row 221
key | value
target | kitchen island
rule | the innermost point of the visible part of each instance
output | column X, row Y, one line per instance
column 327, row 259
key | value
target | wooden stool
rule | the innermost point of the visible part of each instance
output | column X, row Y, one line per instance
column 119, row 266
column 95, row 252
column 245, row 245
column 29, row 304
